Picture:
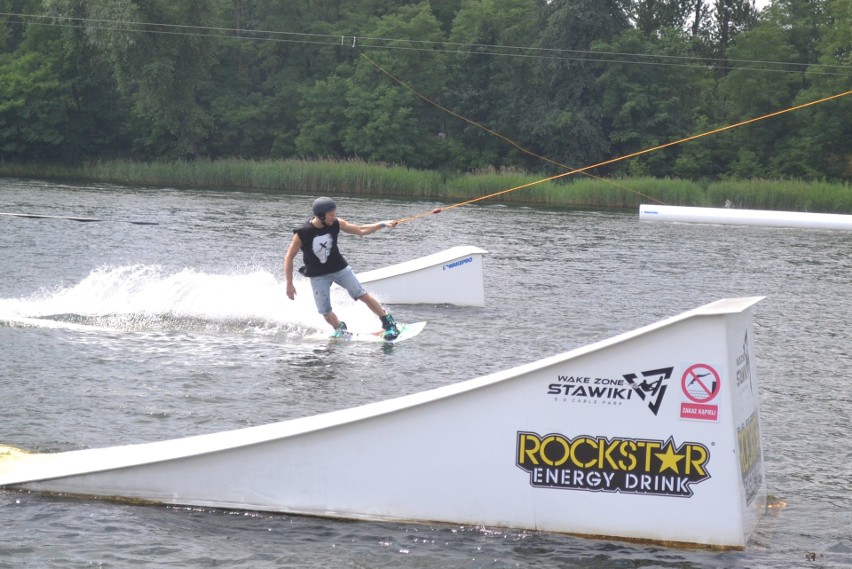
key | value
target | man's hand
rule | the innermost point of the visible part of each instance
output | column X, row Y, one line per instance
column 291, row 291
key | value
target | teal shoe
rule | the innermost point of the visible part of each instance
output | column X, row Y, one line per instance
column 391, row 332
column 340, row 331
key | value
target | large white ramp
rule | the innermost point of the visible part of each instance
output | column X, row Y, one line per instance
column 651, row 435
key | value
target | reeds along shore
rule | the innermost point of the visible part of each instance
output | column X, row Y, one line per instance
column 356, row 178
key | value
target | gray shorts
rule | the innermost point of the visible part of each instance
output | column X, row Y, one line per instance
column 322, row 287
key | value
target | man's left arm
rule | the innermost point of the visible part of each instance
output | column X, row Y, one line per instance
column 354, row 229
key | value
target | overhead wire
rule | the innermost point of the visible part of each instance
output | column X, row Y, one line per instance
column 702, row 63
column 589, row 56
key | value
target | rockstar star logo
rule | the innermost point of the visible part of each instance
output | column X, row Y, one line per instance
column 669, row 459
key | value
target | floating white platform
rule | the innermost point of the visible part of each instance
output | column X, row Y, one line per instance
column 731, row 216
column 651, row 435
column 453, row 276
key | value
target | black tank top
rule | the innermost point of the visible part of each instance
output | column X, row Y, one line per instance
column 319, row 249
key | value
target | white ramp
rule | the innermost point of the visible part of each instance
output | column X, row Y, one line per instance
column 651, row 435
column 453, row 276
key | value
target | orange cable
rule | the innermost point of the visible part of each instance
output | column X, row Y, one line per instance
column 633, row 155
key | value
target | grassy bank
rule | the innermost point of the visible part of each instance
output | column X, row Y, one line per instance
column 355, row 178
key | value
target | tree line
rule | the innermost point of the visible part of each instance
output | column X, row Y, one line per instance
column 459, row 85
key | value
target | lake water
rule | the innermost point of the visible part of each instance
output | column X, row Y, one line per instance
column 150, row 332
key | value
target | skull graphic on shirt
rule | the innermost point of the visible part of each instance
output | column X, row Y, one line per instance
column 322, row 247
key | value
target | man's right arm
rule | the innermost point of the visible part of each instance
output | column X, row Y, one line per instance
column 294, row 247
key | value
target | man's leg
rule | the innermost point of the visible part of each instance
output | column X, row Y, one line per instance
column 373, row 304
column 347, row 279
column 321, row 287
column 391, row 331
column 332, row 319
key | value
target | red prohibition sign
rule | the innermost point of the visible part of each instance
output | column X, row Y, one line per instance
column 701, row 383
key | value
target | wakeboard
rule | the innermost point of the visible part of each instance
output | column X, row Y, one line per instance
column 406, row 331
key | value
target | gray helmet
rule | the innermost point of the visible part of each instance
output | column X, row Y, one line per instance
column 322, row 206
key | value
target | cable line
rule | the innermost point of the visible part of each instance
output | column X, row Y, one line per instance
column 632, row 155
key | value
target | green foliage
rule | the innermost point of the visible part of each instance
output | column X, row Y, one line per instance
column 826, row 128
column 490, row 91
column 358, row 178
column 747, row 94
column 34, row 108
column 567, row 113
column 794, row 195
column 323, row 118
column 464, row 85
column 649, row 104
column 384, row 121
